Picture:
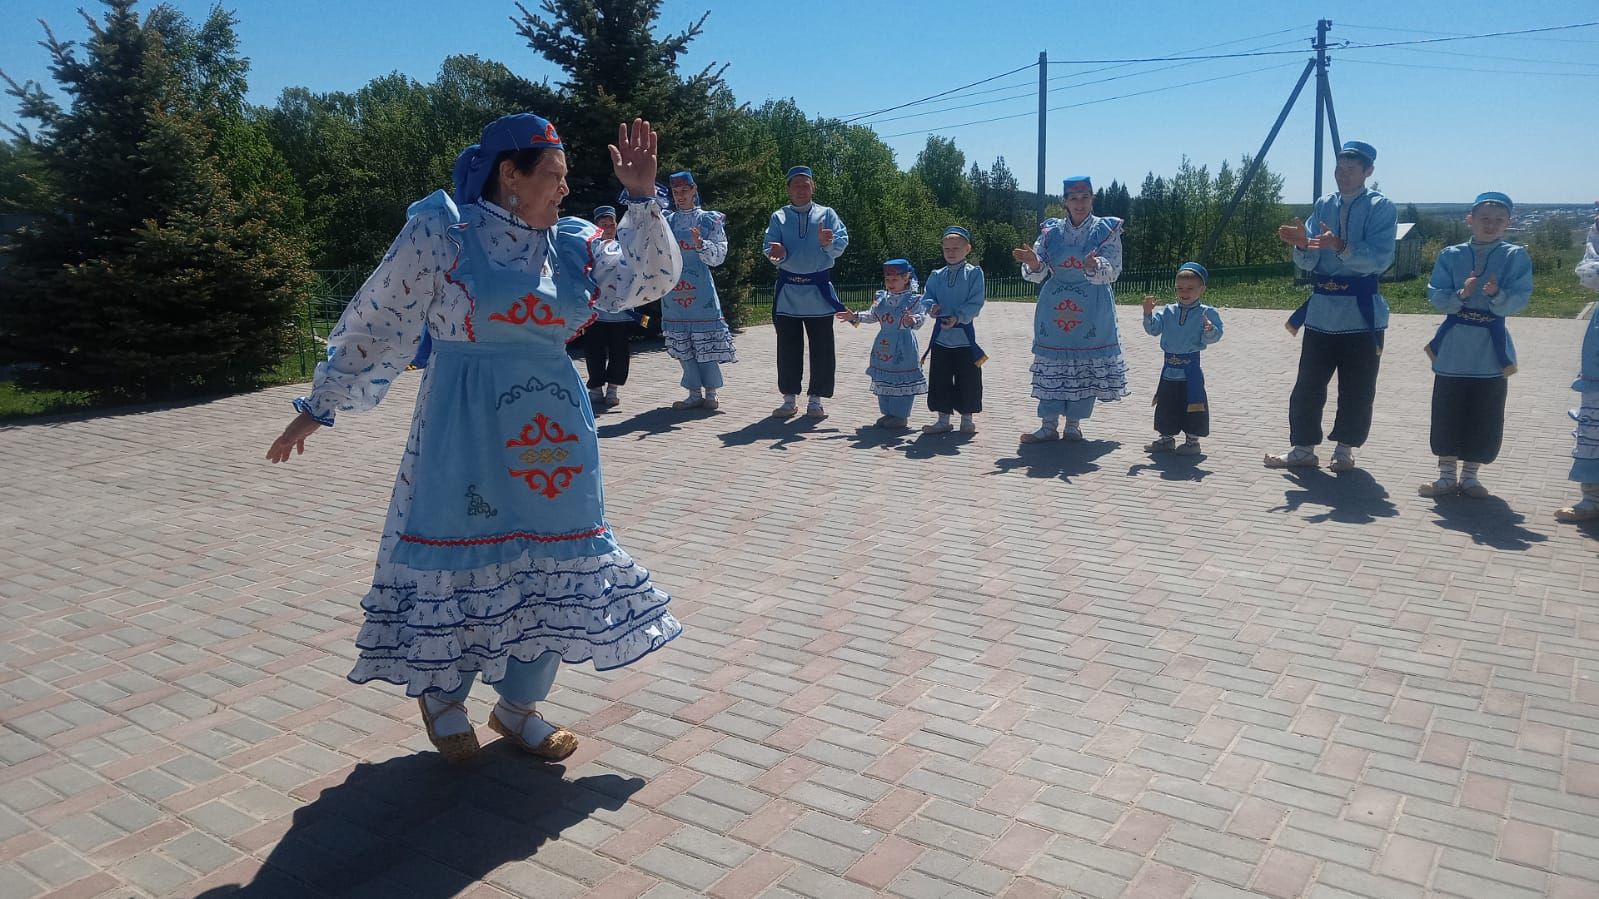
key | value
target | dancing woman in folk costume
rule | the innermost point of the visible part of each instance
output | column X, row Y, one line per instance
column 691, row 316
column 496, row 557
column 1077, row 350
column 1585, row 456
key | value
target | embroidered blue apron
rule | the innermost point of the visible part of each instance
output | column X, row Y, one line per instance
column 507, row 454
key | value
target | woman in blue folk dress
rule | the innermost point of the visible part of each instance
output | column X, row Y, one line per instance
column 691, row 315
column 895, row 367
column 496, row 557
column 1077, row 350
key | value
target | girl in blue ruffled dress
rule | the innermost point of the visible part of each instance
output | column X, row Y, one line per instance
column 895, row 367
column 496, row 558
column 696, row 334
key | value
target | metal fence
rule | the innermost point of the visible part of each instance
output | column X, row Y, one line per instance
column 333, row 289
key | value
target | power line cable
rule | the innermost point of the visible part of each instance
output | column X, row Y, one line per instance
column 1474, row 71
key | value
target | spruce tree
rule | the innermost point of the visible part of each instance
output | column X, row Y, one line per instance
column 161, row 271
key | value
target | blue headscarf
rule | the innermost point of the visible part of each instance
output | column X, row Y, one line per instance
column 681, row 177
column 521, row 131
column 1066, row 186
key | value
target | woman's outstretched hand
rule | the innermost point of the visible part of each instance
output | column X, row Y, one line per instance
column 633, row 157
column 292, row 440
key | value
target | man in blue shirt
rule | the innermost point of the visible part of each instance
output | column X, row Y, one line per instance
column 1347, row 243
column 802, row 240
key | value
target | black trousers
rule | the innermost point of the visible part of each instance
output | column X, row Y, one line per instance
column 954, row 382
column 1171, row 411
column 607, row 353
column 1354, row 358
column 791, row 335
column 1468, row 417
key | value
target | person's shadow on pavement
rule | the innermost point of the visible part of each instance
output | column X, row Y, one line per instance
column 1172, row 467
column 417, row 827
column 649, row 423
column 781, row 431
column 1351, row 497
column 926, row 446
column 1489, row 521
column 1057, row 459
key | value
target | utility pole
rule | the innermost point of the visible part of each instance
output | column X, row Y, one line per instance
column 1043, row 112
column 1322, row 97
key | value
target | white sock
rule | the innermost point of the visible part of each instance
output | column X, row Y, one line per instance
column 534, row 728
column 1051, row 423
column 447, row 720
column 1468, row 470
column 1446, row 468
column 815, row 402
column 966, row 419
column 1344, row 449
column 1189, row 438
column 693, row 393
column 710, row 393
column 943, row 418
column 789, row 398
column 1071, row 424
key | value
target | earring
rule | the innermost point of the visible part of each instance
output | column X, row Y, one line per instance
column 512, row 200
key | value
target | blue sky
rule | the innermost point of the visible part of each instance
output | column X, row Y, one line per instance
column 1449, row 119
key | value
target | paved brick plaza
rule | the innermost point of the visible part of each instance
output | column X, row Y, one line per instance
column 921, row 666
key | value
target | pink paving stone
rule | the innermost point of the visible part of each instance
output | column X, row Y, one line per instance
column 1343, row 762
column 1217, row 733
column 1284, row 874
column 1404, row 858
column 663, row 787
column 623, row 884
column 1027, row 888
column 704, row 709
column 795, row 734
column 771, row 820
column 1410, row 713
column 1235, row 773
column 1582, row 778
column 1157, row 881
column 1446, row 749
column 639, row 837
column 1010, row 795
column 690, row 745
column 1007, row 751
column 1017, row 846
column 755, row 874
column 95, row 884
column 884, row 862
column 1114, row 742
column 1487, row 794
column 1256, row 819
column 1316, row 722
column 896, row 763
column 1138, row 831
column 1527, row 844
column 901, row 725
column 785, row 774
column 890, row 811
column 1123, row 783
column 1535, row 736
column 1373, row 806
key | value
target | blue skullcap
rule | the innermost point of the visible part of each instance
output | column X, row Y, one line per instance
column 521, row 131
column 957, row 229
column 1196, row 268
column 1360, row 148
column 799, row 170
column 603, row 211
column 685, row 177
column 1493, row 196
column 1067, row 185
column 903, row 265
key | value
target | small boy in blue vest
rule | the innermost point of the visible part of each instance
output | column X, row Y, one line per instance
column 1477, row 284
column 1185, row 328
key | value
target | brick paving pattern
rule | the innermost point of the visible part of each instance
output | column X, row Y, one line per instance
column 925, row 667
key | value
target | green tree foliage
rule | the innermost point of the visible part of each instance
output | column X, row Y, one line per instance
column 160, row 270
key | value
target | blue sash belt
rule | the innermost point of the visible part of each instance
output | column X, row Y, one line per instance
column 1362, row 287
column 1188, row 364
column 822, row 279
column 1475, row 319
column 978, row 356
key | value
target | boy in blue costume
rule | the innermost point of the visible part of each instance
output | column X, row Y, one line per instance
column 895, row 368
column 955, row 296
column 1477, row 284
column 1347, row 243
column 606, row 348
column 696, row 334
column 1077, row 350
column 1185, row 328
column 803, row 239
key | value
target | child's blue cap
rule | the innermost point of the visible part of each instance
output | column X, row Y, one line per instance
column 903, row 265
column 1075, row 180
column 1196, row 268
column 1360, row 148
column 1493, row 196
column 603, row 211
column 799, row 170
column 958, row 231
